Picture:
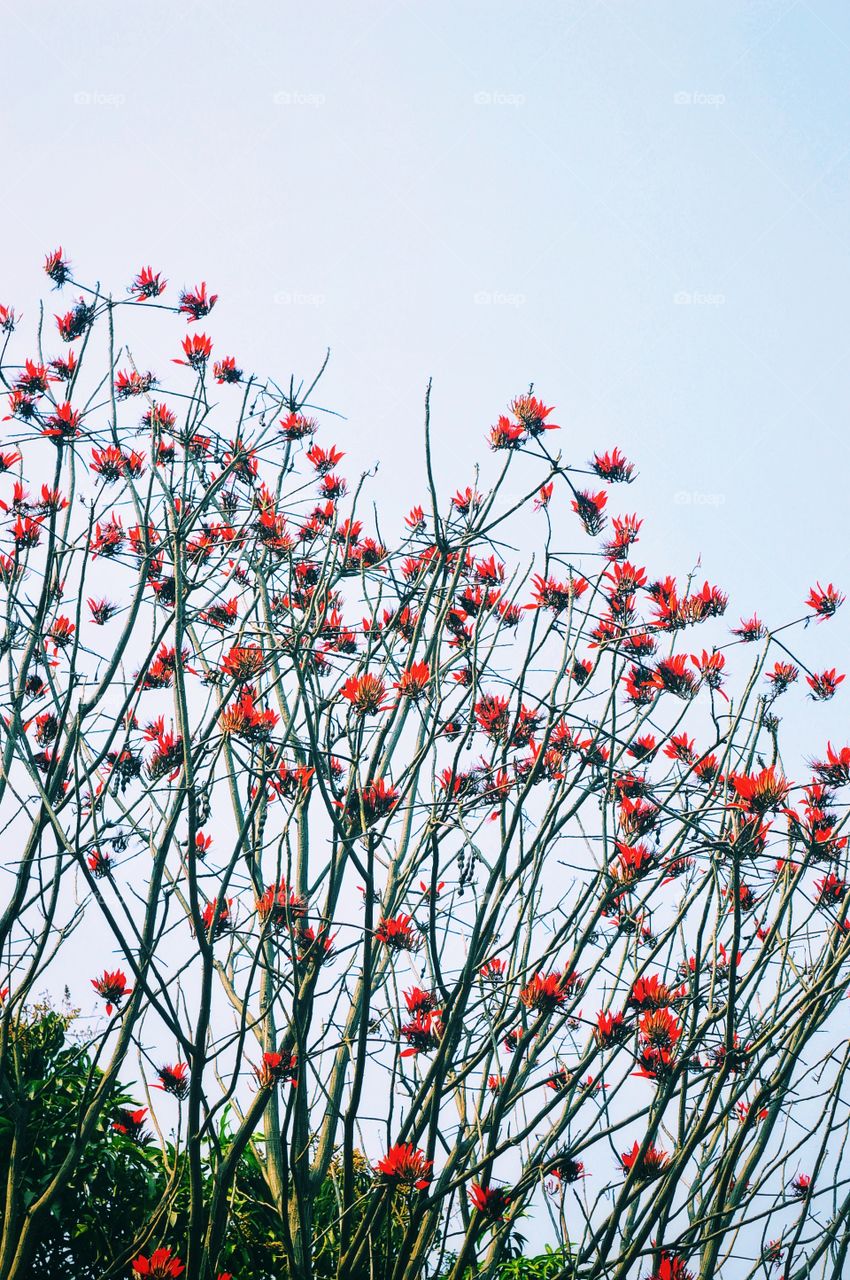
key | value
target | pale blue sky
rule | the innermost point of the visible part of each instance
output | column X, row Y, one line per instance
column 489, row 193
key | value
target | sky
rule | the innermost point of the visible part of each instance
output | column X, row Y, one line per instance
column 642, row 209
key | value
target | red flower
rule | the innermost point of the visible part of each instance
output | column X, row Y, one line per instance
column 21, row 406
column 225, row 370
column 147, row 284
column 108, row 538
column 419, row 1001
column 413, row 681
column 101, row 610
column 243, row 663
column 159, row 418
column 566, row 1169
column 710, row 667
column 112, row 987
column 203, row 844
column 324, row 460
column 57, row 267
column 492, row 714
column 506, row 434
column 651, row 993
column 554, row 595
column 559, row 1081
column 64, row 424
column 61, row 632
column 544, row 496
column 197, row 348
column 398, row 933
column 75, row 323
column 466, row 501
column 659, row 1029
column 643, row 748
column 494, row 970
column 275, row 1068
column 296, row 426
column 314, row 946
column 610, row 1029
column 159, row 1266
column 613, row 467
column 589, row 508
column 366, row 694
column 243, row 720
column 681, row 747
column 173, row 1079
column 63, row 367
column 824, row 600
column 762, row 791
column 132, row 1124
column 26, row 532
column 423, row 1034
column 216, row 918
column 405, row 1165
column 281, row 906
column 823, row 686
column 782, row 675
column 835, row 770
column 831, row 890
column 108, row 463
column 544, row 992
column 99, row 864
column 195, row 303
column 34, row 379
column 133, row 383
column 750, row 629
column 649, row 1165
column 637, row 817
column 626, row 529
column 746, row 897
column 373, row 803
column 9, row 460
column 491, row 1202
column 670, row 1267
column 415, row 517
column 532, row 413
column 673, row 675
column 634, row 860
column 800, row 1186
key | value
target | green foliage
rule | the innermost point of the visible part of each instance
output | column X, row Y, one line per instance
column 546, row 1266
column 121, row 1183
column 115, row 1182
